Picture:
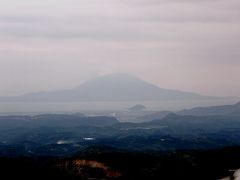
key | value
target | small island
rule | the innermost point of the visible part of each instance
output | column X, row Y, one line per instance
column 138, row 107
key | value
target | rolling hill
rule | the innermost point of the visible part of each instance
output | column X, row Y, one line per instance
column 225, row 110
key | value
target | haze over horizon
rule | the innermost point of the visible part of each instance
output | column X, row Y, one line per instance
column 185, row 45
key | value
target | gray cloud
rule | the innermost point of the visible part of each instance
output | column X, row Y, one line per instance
column 181, row 44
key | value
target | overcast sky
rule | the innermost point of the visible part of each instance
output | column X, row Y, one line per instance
column 191, row 45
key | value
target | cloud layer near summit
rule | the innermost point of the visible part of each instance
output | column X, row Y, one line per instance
column 180, row 44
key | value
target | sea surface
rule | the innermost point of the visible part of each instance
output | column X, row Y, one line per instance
column 54, row 107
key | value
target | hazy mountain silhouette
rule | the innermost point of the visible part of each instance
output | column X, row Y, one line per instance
column 226, row 110
column 115, row 87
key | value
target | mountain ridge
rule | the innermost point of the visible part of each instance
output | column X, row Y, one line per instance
column 233, row 110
